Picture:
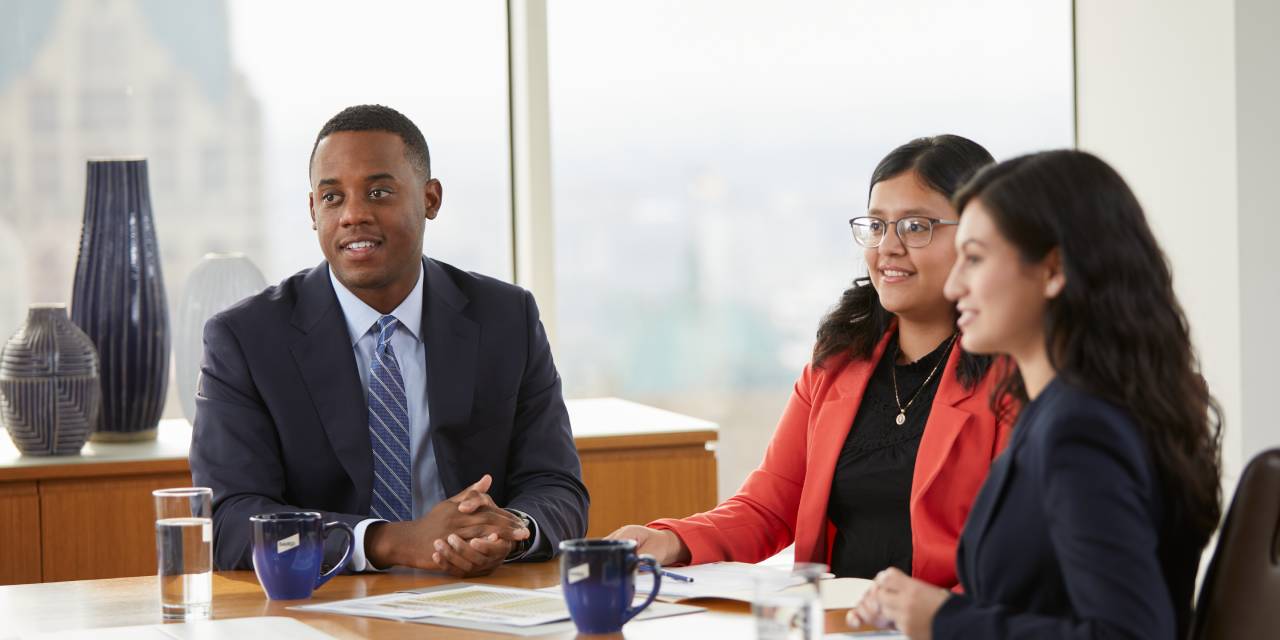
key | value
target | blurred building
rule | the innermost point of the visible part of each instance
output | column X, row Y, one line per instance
column 93, row 78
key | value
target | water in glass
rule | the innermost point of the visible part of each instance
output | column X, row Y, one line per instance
column 787, row 605
column 184, row 552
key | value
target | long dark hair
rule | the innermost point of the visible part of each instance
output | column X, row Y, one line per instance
column 1117, row 318
column 858, row 321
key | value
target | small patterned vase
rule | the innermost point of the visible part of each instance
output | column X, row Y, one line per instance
column 49, row 394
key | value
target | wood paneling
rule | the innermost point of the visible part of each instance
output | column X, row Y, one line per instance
column 635, row 485
column 101, row 527
column 19, row 533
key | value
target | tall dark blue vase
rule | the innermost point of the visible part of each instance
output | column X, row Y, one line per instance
column 118, row 299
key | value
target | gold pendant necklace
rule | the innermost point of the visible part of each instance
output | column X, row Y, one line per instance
column 893, row 370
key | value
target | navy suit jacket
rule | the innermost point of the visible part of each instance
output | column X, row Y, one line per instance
column 282, row 423
column 1072, row 535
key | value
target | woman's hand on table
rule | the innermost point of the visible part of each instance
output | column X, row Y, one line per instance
column 665, row 546
column 900, row 601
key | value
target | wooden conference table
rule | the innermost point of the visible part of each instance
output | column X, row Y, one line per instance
column 118, row 602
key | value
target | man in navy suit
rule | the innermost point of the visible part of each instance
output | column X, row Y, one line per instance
column 414, row 401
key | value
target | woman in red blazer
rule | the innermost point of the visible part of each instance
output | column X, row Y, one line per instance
column 888, row 433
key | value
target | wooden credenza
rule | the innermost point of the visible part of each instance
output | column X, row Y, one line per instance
column 91, row 516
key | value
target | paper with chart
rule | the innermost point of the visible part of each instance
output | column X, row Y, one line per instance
column 733, row 581
column 472, row 602
column 728, row 580
column 512, row 616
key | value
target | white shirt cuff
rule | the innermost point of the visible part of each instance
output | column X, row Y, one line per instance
column 358, row 561
column 537, row 536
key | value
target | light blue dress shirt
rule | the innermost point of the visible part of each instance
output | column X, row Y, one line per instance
column 411, row 353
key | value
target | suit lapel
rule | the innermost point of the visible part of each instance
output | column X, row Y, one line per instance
column 452, row 343
column 987, row 504
column 942, row 427
column 832, row 425
column 328, row 366
column 984, row 509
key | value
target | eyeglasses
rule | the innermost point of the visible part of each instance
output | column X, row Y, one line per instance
column 913, row 231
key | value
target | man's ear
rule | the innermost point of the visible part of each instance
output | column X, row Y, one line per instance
column 1055, row 277
column 432, row 196
column 311, row 205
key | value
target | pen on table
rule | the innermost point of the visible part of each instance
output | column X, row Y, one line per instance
column 674, row 576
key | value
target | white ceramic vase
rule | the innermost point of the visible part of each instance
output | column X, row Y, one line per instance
column 219, row 281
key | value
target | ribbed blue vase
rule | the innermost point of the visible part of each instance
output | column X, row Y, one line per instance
column 49, row 394
column 118, row 299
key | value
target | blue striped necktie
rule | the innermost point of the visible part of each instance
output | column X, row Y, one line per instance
column 389, row 430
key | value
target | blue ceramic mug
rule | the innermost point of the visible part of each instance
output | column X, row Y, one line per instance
column 598, row 578
column 288, row 549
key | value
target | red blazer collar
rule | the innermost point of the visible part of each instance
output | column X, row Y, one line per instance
column 945, row 422
column 852, row 380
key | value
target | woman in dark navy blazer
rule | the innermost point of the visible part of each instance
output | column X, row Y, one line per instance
column 1092, row 522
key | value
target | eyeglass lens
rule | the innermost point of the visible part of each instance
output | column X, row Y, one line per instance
column 914, row 231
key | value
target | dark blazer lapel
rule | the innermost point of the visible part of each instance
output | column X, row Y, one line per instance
column 328, row 367
column 982, row 514
column 986, row 504
column 452, row 343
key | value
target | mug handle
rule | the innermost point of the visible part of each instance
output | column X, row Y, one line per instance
column 346, row 555
column 656, row 570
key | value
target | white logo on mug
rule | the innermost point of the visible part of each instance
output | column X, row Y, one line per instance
column 579, row 573
column 286, row 544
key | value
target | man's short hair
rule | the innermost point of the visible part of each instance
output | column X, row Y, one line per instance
column 375, row 117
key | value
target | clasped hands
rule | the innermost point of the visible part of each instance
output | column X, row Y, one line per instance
column 899, row 601
column 464, row 535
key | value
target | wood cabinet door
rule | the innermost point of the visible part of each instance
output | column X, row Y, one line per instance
column 19, row 532
column 101, row 527
column 641, row 484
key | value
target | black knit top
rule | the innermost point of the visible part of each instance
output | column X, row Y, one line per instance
column 872, row 483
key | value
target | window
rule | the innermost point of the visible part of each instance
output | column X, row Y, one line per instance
column 706, row 161
column 6, row 174
column 165, row 107
column 706, row 153
column 103, row 110
column 163, row 169
column 46, row 172
column 443, row 64
column 42, row 110
column 213, row 178
column 225, row 99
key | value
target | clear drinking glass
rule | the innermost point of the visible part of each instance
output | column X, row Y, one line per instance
column 787, row 605
column 184, row 551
